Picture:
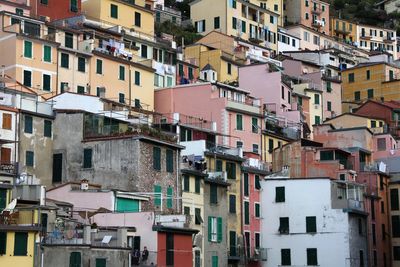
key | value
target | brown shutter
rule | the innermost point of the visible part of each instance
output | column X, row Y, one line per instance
column 6, row 121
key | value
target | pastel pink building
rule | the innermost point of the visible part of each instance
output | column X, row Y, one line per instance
column 238, row 115
column 20, row 7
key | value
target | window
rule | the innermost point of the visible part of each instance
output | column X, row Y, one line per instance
column 27, row 49
column 257, row 210
column 169, row 160
column 239, row 144
column 246, row 184
column 255, row 148
column 218, row 165
column 75, row 259
column 229, row 66
column 64, row 60
column 357, row 96
column 138, row 19
column 46, row 82
column 121, row 98
column 233, row 3
column 73, row 7
column 215, row 229
column 370, row 93
column 21, row 244
column 69, row 40
column 326, row 155
column 270, row 145
column 99, row 66
column 186, row 210
column 396, row 226
column 394, row 199
column 44, row 2
column 157, row 158
column 157, row 195
column 234, row 23
column 3, row 243
column 246, row 212
column 283, row 92
column 143, row 51
column 243, row 26
column 46, row 53
column 170, row 194
column 329, row 106
column 197, row 213
column 7, row 121
column 216, row 23
column 214, row 261
column 200, row 26
column 27, row 78
column 121, row 73
column 257, row 184
column 81, row 64
column 312, row 257
column 29, row 158
column 351, row 77
column 137, row 78
column 316, row 99
column 391, row 75
column 306, row 16
column 190, row 70
column 101, row 262
column 317, row 120
column 279, row 194
column 254, row 125
column 328, row 86
column 311, row 224
column 360, row 226
column 197, row 185
column 28, row 127
column 87, row 158
column 213, row 194
column 80, row 89
column 368, row 74
column 47, row 128
column 285, row 257
column 396, row 253
column 373, row 124
column 239, row 122
column 230, row 168
column 186, row 183
column 232, row 204
column 383, row 232
column 284, row 225
column 114, row 11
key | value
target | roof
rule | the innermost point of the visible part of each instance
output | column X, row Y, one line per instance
column 389, row 104
column 72, row 183
column 216, row 182
column 369, row 64
column 177, row 230
column 352, row 114
column 352, row 129
column 208, row 67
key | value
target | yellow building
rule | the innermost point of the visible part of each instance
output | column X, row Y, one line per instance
column 272, row 5
column 133, row 15
column 375, row 80
column 351, row 120
column 343, row 29
column 237, row 18
column 270, row 142
column 30, row 57
column 394, row 187
column 230, row 167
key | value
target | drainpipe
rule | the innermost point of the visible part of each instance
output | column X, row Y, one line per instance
column 178, row 208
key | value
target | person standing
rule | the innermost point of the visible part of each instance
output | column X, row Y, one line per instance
column 145, row 255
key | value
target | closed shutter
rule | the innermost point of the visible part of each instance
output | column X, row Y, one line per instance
column 121, row 98
column 246, row 184
column 213, row 194
column 219, row 229
column 99, row 66
column 47, row 53
column 27, row 49
column 137, row 75
column 57, row 168
column 218, row 165
column 170, row 160
column 74, row 6
column 21, row 244
column 312, row 256
column 69, row 40
column 47, row 128
column 232, row 203
column 186, row 183
column 285, row 257
column 101, row 262
column 114, row 11
column 190, row 73
column 170, row 194
column 5, row 155
column 257, row 210
column 65, row 60
column 157, row 197
column 81, row 64
column 7, row 118
column 3, row 243
column 246, row 213
column 46, row 82
column 257, row 184
column 27, row 78
column 3, row 198
column 138, row 19
column 87, row 158
column 394, row 199
column 280, row 194
column 157, row 158
column 197, row 185
column 214, row 260
column 29, row 158
column 75, row 259
column 209, row 228
column 122, row 73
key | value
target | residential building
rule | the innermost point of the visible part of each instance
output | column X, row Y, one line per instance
column 351, row 120
column 186, row 72
column 287, row 42
column 394, row 187
column 20, row 7
column 239, row 18
column 390, row 6
column 254, row 171
column 312, row 14
column 31, row 58
column 300, row 226
column 374, row 81
column 344, row 30
column 49, row 10
column 237, row 114
column 163, row 14
column 274, row 5
column 374, row 38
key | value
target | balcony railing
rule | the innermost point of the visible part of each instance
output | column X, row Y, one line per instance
column 220, row 175
column 9, row 168
column 355, row 204
column 258, row 254
column 21, row 217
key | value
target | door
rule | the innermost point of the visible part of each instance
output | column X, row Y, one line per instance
column 3, row 198
column 57, row 168
column 232, row 243
column 136, row 243
column 5, row 155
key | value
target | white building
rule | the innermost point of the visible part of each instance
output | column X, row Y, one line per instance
column 287, row 42
column 313, row 221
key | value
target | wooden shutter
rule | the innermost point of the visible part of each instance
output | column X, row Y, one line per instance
column 5, row 155
column 214, row 260
column 394, row 199
column 170, row 194
column 157, row 158
column 218, row 165
column 197, row 185
column 246, row 184
column 28, row 124
column 47, row 128
column 219, row 229
column 57, row 168
column 257, row 210
column 28, row 49
column 75, row 259
column 280, row 194
column 170, row 160
column 157, row 197
column 186, row 183
column 21, row 244
column 87, row 158
column 3, row 199
column 257, row 184
column 285, row 257
column 29, row 158
column 311, row 224
column 7, row 121
column 209, row 228
column 137, row 74
column 232, row 203
column 121, row 73
column 101, row 262
column 246, row 213
column 3, row 243
column 312, row 256
column 213, row 194
column 138, row 19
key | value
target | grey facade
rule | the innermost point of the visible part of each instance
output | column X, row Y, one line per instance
column 218, row 248
column 123, row 162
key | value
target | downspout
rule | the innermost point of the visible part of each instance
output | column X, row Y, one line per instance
column 241, row 214
column 178, row 206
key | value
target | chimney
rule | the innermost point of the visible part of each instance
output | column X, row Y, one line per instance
column 84, row 184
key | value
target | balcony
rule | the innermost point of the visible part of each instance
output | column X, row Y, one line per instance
column 220, row 176
column 248, row 106
column 331, row 78
column 19, row 217
column 317, row 11
column 365, row 37
column 235, row 253
column 343, row 31
column 354, row 204
column 389, row 40
column 259, row 254
column 9, row 168
column 256, row 164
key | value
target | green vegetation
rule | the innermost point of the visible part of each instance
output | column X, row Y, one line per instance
column 187, row 33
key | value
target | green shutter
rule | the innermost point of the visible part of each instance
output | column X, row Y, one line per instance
column 170, row 194
column 246, row 213
column 197, row 185
column 114, row 11
column 316, row 99
column 47, row 53
column 231, row 170
column 127, row 205
column 75, row 259
column 218, row 165
column 138, row 19
column 219, row 229
column 239, row 122
column 311, row 224
column 122, row 73
column 27, row 49
column 137, row 78
column 234, row 23
column 370, row 93
column 285, row 257
column 186, row 183
column 254, row 125
column 214, row 260
column 74, row 6
column 28, row 127
column 280, row 194
column 64, row 60
column 317, row 120
column 80, row 89
column 257, row 210
column 29, row 158
column 87, row 158
column 243, row 26
column 3, row 199
column 157, row 197
column 121, row 98
column 101, row 262
column 246, row 184
column 312, row 257
column 209, row 228
column 170, row 160
column 99, row 66
column 3, row 243
column 69, row 40
column 27, row 78
column 46, row 82
column 257, row 184
column 81, row 64
column 21, row 244
column 157, row 158
column 213, row 194
column 47, row 128
column 190, row 73
column 180, row 71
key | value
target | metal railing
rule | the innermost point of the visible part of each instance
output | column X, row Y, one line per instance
column 23, row 217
